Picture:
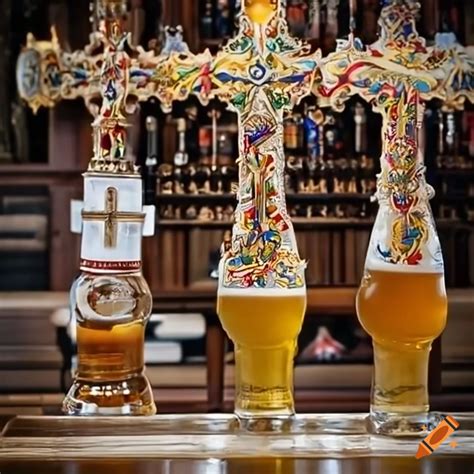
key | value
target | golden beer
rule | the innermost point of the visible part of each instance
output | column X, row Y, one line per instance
column 110, row 353
column 263, row 325
column 111, row 357
column 111, row 314
column 403, row 312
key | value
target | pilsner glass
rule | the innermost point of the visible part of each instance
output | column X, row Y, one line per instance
column 262, row 293
column 402, row 300
column 264, row 325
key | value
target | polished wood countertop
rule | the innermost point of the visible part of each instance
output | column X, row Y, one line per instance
column 218, row 444
column 390, row 465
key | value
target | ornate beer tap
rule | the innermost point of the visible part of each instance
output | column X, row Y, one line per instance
column 110, row 300
column 397, row 74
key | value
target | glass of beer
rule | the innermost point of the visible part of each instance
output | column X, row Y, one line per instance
column 402, row 300
column 263, row 325
column 262, row 293
column 111, row 315
column 403, row 311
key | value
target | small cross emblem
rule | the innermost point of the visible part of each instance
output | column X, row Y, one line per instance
column 111, row 216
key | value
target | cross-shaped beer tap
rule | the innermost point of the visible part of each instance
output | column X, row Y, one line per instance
column 397, row 74
column 261, row 74
column 46, row 74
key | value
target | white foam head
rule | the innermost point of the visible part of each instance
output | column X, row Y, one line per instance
column 261, row 292
column 376, row 264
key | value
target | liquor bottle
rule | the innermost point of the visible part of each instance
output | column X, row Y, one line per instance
column 345, row 18
column 223, row 21
column 314, row 24
column 215, row 178
column 297, row 17
column 430, row 18
column 370, row 20
column 311, row 130
column 181, row 158
column 345, row 173
column 360, row 120
column 450, row 136
column 151, row 161
column 366, row 174
column 331, row 18
column 441, row 150
column 205, row 141
column 470, row 127
column 165, row 178
column 192, row 130
column 291, row 175
column 230, row 178
column 331, row 136
column 320, row 176
column 207, row 30
column 291, row 134
column 353, row 174
column 312, row 140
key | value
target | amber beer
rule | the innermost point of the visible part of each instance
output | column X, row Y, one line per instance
column 111, row 313
column 110, row 351
column 403, row 311
column 263, row 325
column 107, row 354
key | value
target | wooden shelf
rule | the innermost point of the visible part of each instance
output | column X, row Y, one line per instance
column 29, row 174
column 291, row 198
column 299, row 223
column 458, row 172
column 35, row 169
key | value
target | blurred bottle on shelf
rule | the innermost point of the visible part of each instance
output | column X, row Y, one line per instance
column 151, row 161
column 370, row 16
column 360, row 134
column 165, row 178
column 181, row 157
column 297, row 15
column 205, row 141
column 215, row 175
column 223, row 20
column 207, row 20
column 293, row 133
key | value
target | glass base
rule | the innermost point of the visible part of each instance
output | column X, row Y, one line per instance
column 264, row 401
column 399, row 424
column 130, row 397
column 263, row 424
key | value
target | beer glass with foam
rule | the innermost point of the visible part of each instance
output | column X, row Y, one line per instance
column 262, row 296
column 402, row 300
column 262, row 292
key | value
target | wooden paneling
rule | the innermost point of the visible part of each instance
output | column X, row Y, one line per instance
column 64, row 245
column 70, row 138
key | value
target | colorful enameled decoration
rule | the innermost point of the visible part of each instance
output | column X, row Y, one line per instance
column 397, row 74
